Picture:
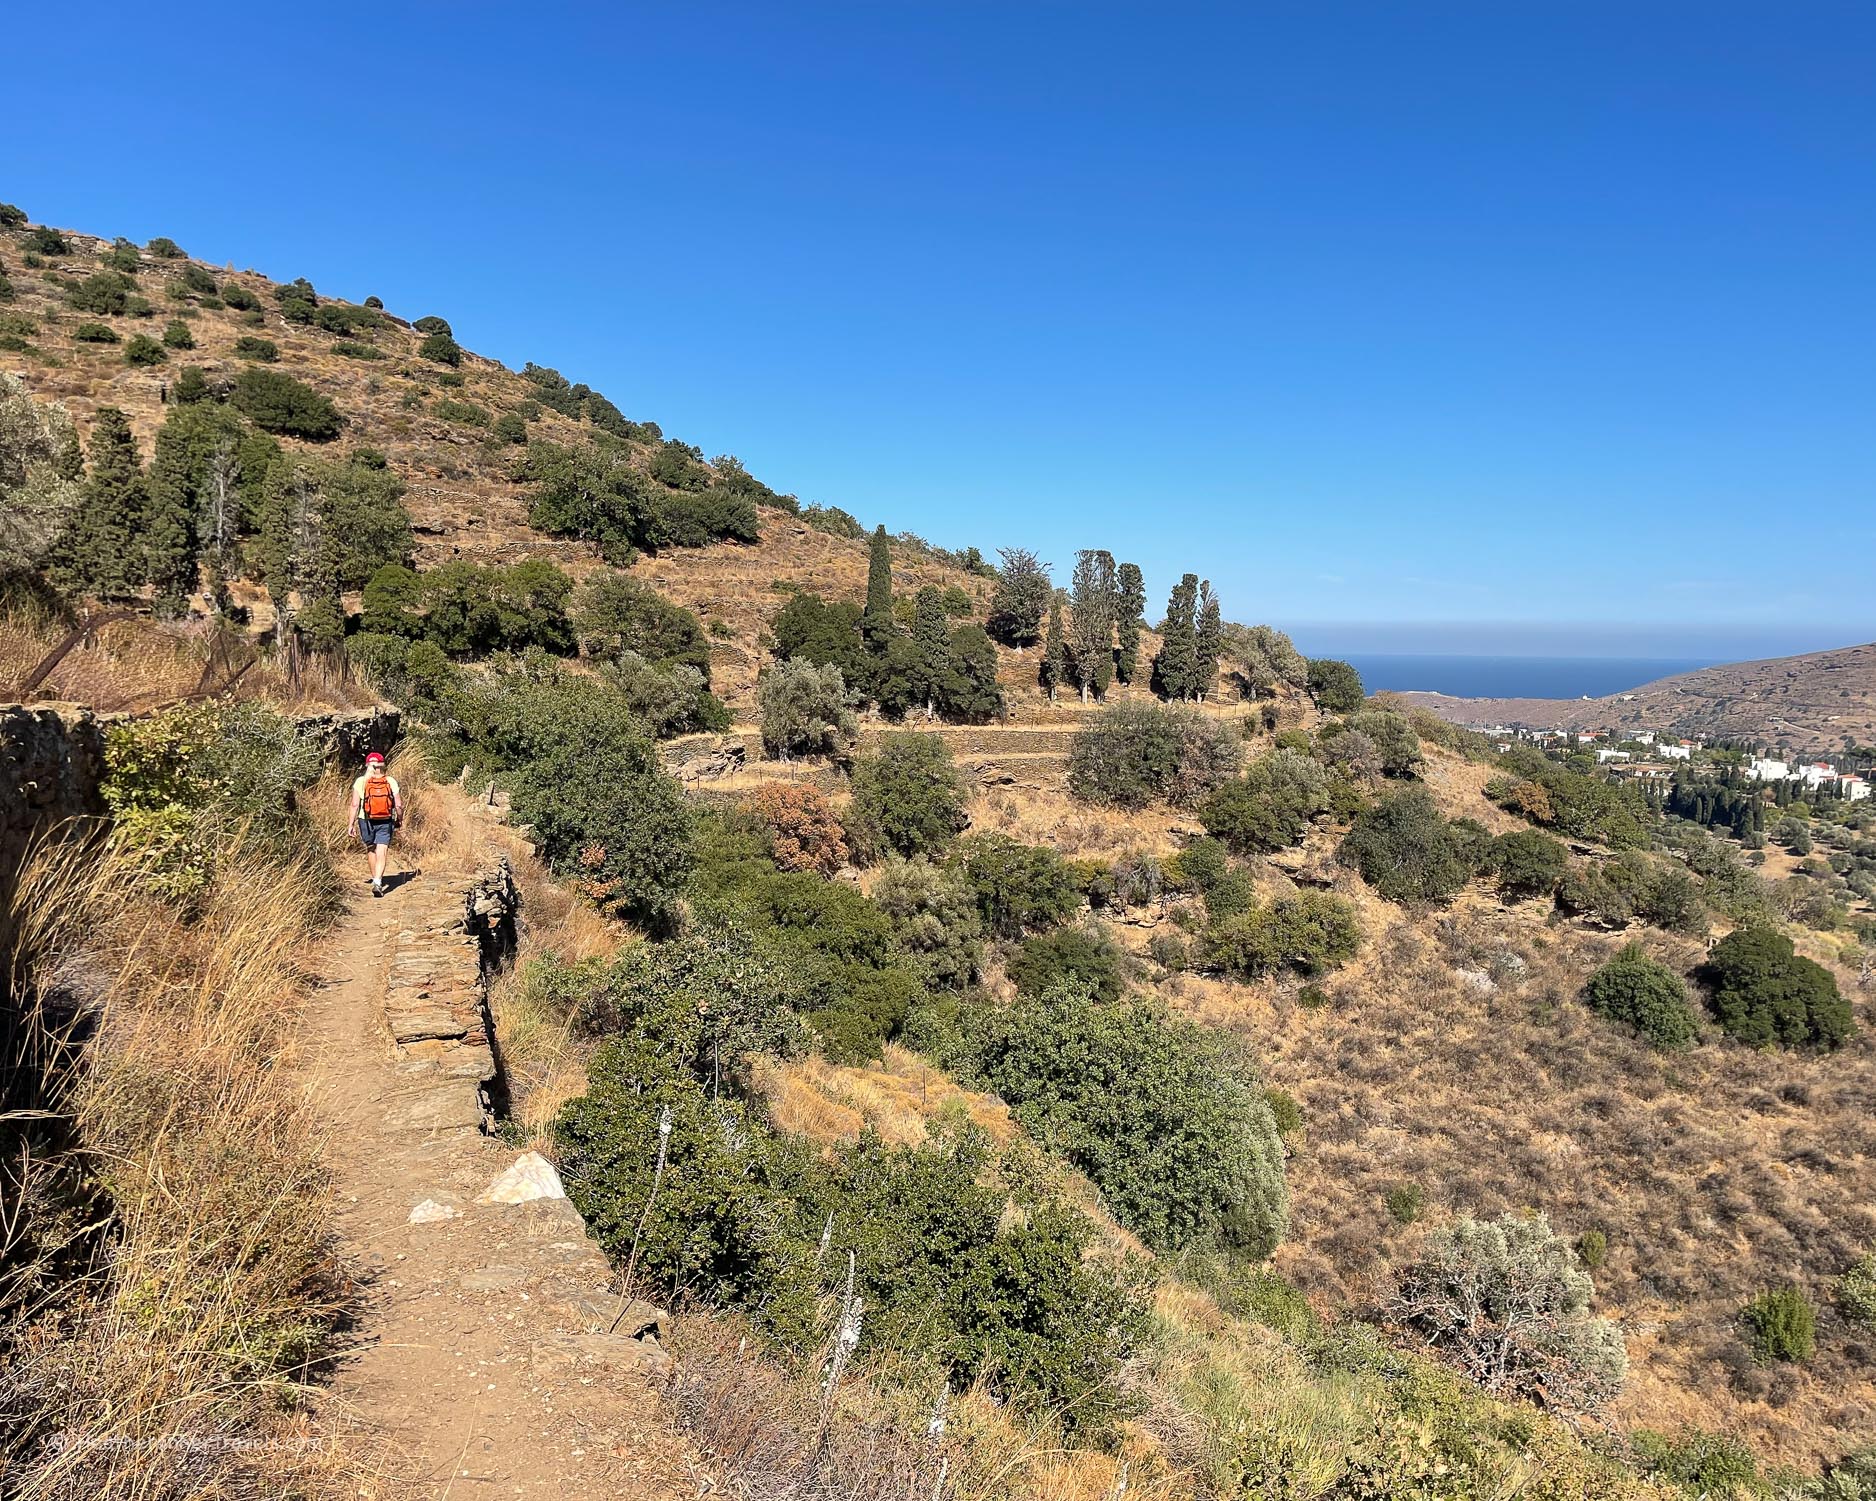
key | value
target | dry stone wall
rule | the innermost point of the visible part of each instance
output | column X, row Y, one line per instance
column 51, row 770
column 436, row 1001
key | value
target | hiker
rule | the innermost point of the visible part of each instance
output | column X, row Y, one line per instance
column 377, row 808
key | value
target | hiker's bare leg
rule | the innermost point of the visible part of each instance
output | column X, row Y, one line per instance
column 378, row 852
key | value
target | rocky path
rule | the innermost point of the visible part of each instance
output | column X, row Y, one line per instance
column 492, row 1360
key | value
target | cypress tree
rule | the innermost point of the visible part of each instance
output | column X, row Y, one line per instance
column 876, row 620
column 1130, row 610
column 931, row 640
column 1173, row 668
column 1210, row 640
column 1091, row 621
column 104, row 553
column 1055, row 650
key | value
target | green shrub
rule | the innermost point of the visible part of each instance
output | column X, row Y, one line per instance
column 467, row 413
column 1169, row 950
column 1309, row 932
column 1505, row 1302
column 586, row 777
column 907, row 798
column 1131, row 755
column 279, row 404
column 1085, row 958
column 804, row 711
column 178, row 336
column 1781, row 1324
column 191, row 386
column 440, row 349
column 240, row 298
column 1406, row 1202
column 1407, row 852
column 165, row 249
column 472, row 611
column 590, row 492
column 46, row 240
column 1269, row 807
column 1019, row 888
column 248, row 347
column 1641, row 993
column 934, row 918
column 1700, row 1463
column 1284, row 1112
column 1856, row 1291
column 103, row 292
column 12, row 216
column 195, row 279
column 431, row 324
column 1762, row 992
column 1335, row 686
column 679, row 466
column 143, row 350
column 1167, row 1118
column 353, row 350
column 343, row 318
column 697, row 519
column 95, row 333
column 1529, row 863
column 1592, row 1249
column 509, row 427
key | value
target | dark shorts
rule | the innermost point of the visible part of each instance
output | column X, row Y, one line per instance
column 374, row 831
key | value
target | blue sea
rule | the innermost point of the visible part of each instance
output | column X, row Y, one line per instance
column 1515, row 677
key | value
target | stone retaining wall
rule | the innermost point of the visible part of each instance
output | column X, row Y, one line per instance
column 51, row 769
column 436, row 1001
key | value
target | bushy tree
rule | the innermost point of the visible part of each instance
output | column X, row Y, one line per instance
column 277, row 403
column 811, row 628
column 106, row 293
column 1019, row 888
column 1529, row 863
column 590, row 492
column 1335, row 686
column 804, row 711
column 1131, row 755
column 165, row 249
column 934, row 917
column 614, row 613
column 143, row 350
column 1762, row 991
column 1168, row 1119
column 1269, row 807
column 1408, row 852
column 1021, row 596
column 1085, row 957
column 1648, row 996
column 471, row 610
column 804, row 834
column 178, row 336
column 1507, row 1303
column 1262, row 658
column 12, row 216
column 907, row 798
column 1396, row 746
column 441, row 349
column 586, row 779
column 40, row 468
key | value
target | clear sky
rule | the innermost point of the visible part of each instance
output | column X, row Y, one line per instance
column 1514, row 315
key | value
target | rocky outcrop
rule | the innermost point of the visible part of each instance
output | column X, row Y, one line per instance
column 704, row 758
column 436, row 1002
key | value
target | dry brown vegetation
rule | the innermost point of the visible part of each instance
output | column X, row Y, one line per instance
column 184, row 1287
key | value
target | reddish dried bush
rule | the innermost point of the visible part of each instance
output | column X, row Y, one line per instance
column 807, row 834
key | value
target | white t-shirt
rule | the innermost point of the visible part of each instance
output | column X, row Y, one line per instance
column 358, row 793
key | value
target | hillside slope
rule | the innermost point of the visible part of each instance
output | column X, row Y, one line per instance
column 1819, row 701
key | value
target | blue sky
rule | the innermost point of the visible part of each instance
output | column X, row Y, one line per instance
column 1514, row 316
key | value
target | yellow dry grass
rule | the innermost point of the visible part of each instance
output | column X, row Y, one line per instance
column 897, row 1095
column 173, row 1364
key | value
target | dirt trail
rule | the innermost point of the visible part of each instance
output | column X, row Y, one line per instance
column 483, row 1361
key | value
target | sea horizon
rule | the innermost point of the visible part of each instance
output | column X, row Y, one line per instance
column 1477, row 675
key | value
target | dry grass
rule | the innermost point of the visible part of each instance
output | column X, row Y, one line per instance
column 135, row 665
column 898, row 1095
column 172, row 1365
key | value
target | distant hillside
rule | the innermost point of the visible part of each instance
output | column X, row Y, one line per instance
column 1818, row 701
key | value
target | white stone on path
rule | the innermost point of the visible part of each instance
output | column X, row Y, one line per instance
column 429, row 1212
column 531, row 1176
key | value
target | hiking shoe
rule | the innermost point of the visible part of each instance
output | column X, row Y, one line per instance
column 377, row 888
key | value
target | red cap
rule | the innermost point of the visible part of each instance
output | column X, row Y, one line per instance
column 375, row 756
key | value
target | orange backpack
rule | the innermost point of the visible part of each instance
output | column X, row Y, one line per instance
column 377, row 803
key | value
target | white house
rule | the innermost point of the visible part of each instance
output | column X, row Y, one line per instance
column 1645, row 737
column 1605, row 754
column 1764, row 770
column 1855, row 789
column 1675, row 752
column 1817, row 774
